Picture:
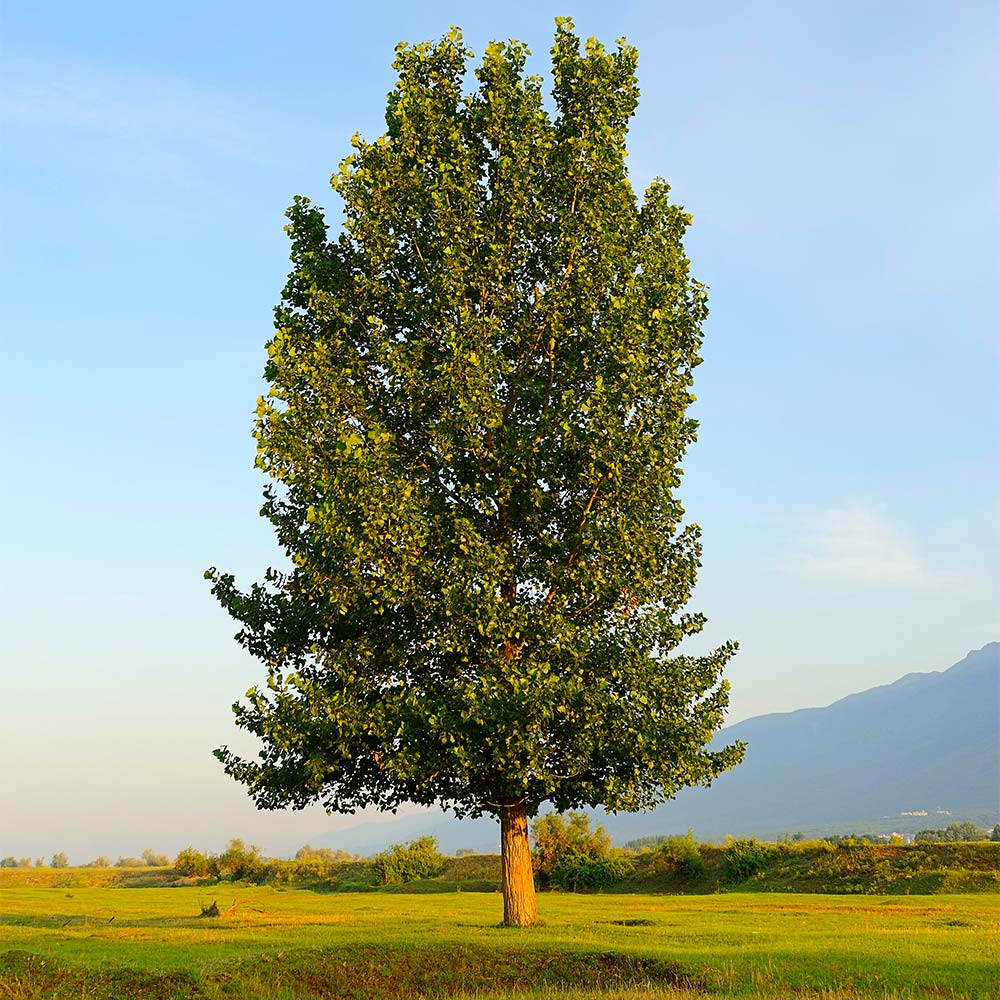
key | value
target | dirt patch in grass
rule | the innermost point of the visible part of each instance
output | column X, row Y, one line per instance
column 355, row 972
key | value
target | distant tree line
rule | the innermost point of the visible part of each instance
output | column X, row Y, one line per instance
column 955, row 833
column 569, row 853
column 246, row 862
column 853, row 839
column 58, row 860
column 148, row 859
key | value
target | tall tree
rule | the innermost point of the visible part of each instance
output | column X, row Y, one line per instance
column 476, row 417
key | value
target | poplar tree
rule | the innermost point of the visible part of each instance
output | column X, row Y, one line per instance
column 479, row 387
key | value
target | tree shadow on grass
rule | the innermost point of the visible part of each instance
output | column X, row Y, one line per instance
column 378, row 973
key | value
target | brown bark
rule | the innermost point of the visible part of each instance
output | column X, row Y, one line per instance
column 519, row 907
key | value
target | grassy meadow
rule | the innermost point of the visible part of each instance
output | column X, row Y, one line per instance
column 291, row 944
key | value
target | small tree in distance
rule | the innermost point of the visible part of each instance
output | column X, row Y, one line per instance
column 190, row 862
column 239, row 860
column 474, row 428
column 419, row 858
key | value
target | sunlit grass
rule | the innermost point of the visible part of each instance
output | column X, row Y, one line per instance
column 290, row 944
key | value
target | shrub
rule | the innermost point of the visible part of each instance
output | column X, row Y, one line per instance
column 303, row 870
column 153, row 860
column 576, row 872
column 419, row 858
column 8, row 862
column 679, row 854
column 239, row 860
column 59, row 860
column 570, row 854
column 744, row 859
column 194, row 863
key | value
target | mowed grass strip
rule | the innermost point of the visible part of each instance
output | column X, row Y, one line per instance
column 293, row 944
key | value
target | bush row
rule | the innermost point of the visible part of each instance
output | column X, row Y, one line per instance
column 401, row 863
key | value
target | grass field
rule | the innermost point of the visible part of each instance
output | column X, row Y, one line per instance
column 288, row 944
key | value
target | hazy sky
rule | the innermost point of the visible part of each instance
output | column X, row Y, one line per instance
column 841, row 163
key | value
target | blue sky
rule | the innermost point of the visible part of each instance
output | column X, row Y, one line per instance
column 841, row 163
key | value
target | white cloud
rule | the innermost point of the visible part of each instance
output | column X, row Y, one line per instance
column 857, row 544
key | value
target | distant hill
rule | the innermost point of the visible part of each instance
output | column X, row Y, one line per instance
column 926, row 742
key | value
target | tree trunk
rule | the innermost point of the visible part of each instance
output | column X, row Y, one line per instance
column 519, row 909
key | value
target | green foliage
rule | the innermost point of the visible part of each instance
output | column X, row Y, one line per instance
column 951, row 834
column 8, row 862
column 103, row 861
column 680, row 854
column 583, row 872
column 852, row 839
column 570, row 854
column 557, row 836
column 194, row 863
column 418, row 859
column 239, row 860
column 154, row 860
column 745, row 859
column 59, row 860
column 476, row 415
column 995, row 835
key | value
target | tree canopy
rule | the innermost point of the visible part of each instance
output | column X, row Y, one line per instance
column 474, row 428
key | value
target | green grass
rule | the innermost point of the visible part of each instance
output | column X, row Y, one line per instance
column 275, row 944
